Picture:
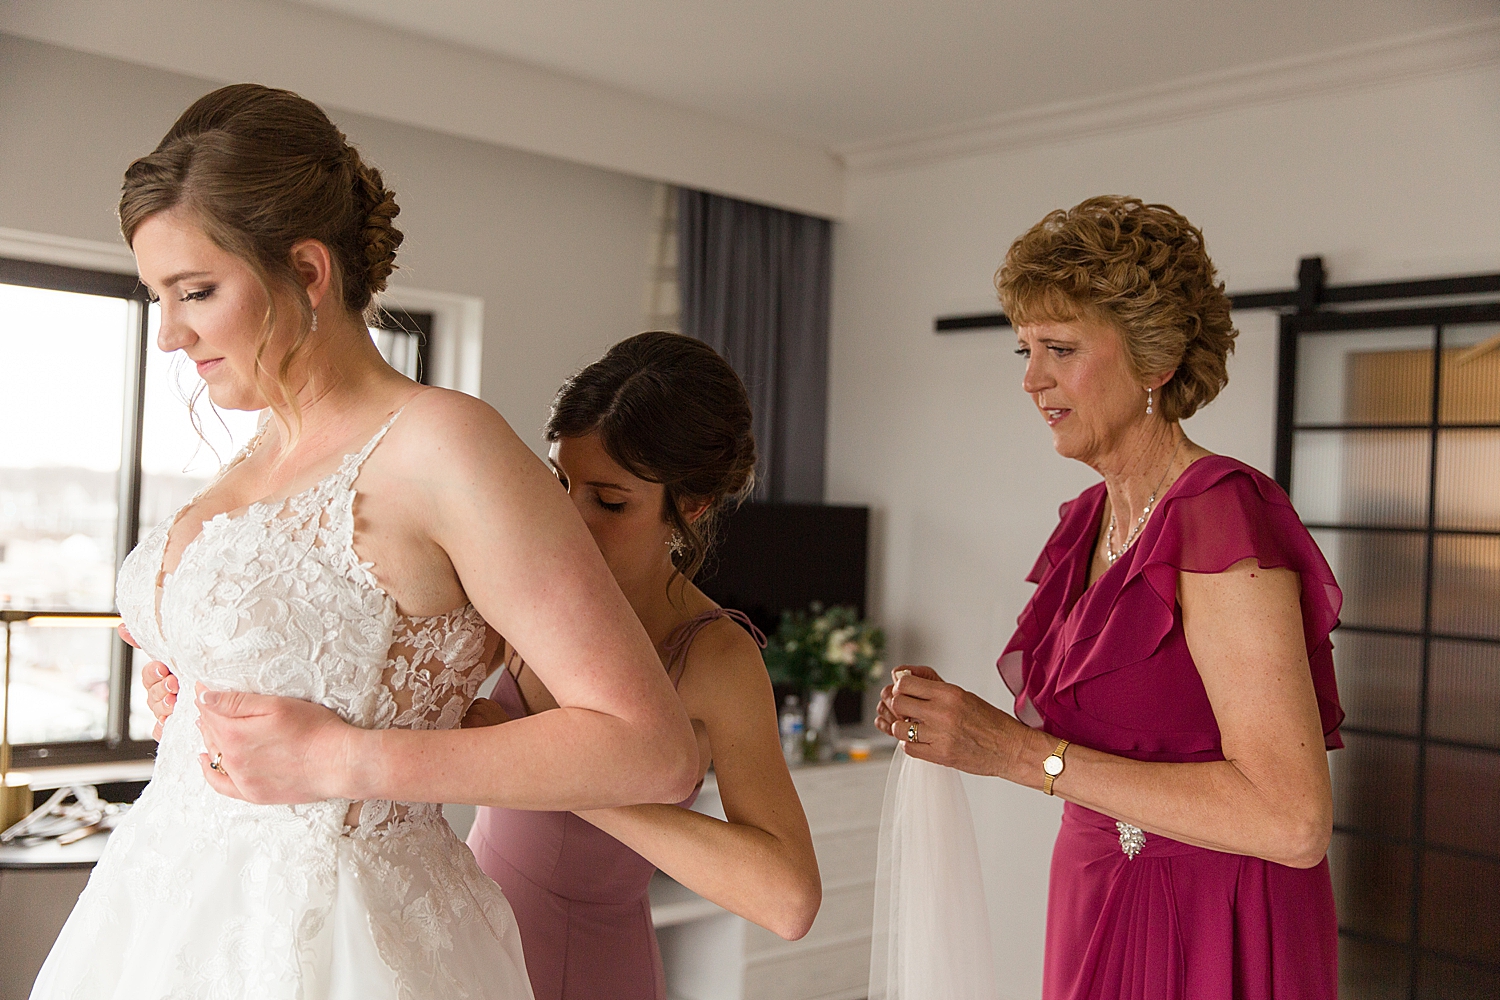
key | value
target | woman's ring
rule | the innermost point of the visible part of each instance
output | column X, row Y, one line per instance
column 911, row 731
column 217, row 763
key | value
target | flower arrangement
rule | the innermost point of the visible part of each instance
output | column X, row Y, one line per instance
column 818, row 650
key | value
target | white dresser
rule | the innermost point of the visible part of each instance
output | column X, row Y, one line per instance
column 710, row 954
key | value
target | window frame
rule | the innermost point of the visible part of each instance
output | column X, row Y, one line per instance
column 116, row 744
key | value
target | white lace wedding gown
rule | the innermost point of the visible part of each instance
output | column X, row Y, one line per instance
column 202, row 896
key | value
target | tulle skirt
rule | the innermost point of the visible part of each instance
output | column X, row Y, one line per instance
column 277, row 903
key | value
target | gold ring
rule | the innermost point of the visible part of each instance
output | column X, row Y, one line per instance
column 217, row 763
column 911, row 731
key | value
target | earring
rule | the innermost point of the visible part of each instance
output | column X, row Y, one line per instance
column 1148, row 394
column 315, row 325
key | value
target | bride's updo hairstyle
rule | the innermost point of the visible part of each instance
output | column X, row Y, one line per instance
column 1144, row 270
column 261, row 170
column 668, row 410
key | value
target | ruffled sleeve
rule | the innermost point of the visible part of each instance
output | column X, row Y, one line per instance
column 1221, row 512
column 1109, row 663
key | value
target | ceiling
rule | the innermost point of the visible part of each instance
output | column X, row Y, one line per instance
column 843, row 74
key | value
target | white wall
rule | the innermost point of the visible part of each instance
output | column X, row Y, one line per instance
column 440, row 86
column 935, row 434
column 556, row 251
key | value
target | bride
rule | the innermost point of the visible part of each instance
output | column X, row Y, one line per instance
column 352, row 555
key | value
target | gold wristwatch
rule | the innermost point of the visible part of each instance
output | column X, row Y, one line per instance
column 1053, row 766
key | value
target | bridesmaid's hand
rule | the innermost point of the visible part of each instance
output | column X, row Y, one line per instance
column 484, row 712
column 954, row 728
column 274, row 750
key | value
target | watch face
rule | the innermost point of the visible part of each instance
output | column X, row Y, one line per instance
column 1053, row 765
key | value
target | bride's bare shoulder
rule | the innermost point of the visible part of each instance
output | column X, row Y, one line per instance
column 449, row 436
column 444, row 422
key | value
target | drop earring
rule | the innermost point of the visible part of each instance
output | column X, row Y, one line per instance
column 315, row 330
column 1148, row 391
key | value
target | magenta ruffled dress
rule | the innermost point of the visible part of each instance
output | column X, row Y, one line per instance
column 578, row 894
column 1108, row 667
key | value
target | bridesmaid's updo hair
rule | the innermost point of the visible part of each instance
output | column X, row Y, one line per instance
column 261, row 170
column 668, row 410
column 1144, row 270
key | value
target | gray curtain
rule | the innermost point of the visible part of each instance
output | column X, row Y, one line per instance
column 754, row 285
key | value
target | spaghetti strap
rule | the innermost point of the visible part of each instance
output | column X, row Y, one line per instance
column 681, row 638
column 353, row 462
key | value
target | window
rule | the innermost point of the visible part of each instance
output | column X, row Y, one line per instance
column 95, row 446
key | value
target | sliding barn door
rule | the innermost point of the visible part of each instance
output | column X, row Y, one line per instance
column 1392, row 454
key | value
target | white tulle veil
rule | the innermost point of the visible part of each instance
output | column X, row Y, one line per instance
column 932, row 926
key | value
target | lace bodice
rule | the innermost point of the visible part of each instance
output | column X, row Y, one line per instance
column 274, row 600
column 198, row 895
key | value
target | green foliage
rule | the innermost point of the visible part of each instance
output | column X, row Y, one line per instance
column 819, row 650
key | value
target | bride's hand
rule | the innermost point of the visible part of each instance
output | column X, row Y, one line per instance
column 274, row 750
column 954, row 728
column 161, row 693
column 160, row 684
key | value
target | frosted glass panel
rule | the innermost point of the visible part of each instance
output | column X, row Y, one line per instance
column 1373, row 782
column 1464, row 692
column 1463, row 798
column 1459, row 914
column 1443, row 979
column 1379, row 680
column 1362, row 477
column 1369, row 970
column 1466, row 585
column 1380, row 573
column 1471, row 374
column 1468, row 480
column 1371, row 885
column 1373, row 376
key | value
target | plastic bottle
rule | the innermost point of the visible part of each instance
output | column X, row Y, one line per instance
column 792, row 726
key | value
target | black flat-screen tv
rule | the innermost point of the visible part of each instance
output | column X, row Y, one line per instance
column 775, row 557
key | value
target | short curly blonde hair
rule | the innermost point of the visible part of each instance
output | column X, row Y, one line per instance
column 1143, row 269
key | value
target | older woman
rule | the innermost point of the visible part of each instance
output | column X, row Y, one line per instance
column 1173, row 673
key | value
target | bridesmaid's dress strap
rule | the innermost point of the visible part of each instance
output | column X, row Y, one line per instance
column 681, row 638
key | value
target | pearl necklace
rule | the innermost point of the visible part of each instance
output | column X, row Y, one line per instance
column 1110, row 554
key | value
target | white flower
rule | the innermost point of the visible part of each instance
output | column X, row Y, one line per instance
column 841, row 647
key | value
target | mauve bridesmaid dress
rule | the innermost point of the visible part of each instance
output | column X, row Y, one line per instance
column 579, row 895
column 1108, row 667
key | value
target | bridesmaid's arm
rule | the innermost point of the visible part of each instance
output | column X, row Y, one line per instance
column 760, row 864
column 1270, row 798
column 479, row 499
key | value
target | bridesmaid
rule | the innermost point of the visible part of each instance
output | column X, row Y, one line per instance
column 1173, row 672
column 652, row 443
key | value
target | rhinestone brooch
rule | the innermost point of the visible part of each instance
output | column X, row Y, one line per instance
column 1132, row 839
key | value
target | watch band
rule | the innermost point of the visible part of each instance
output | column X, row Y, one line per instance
column 1048, row 777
